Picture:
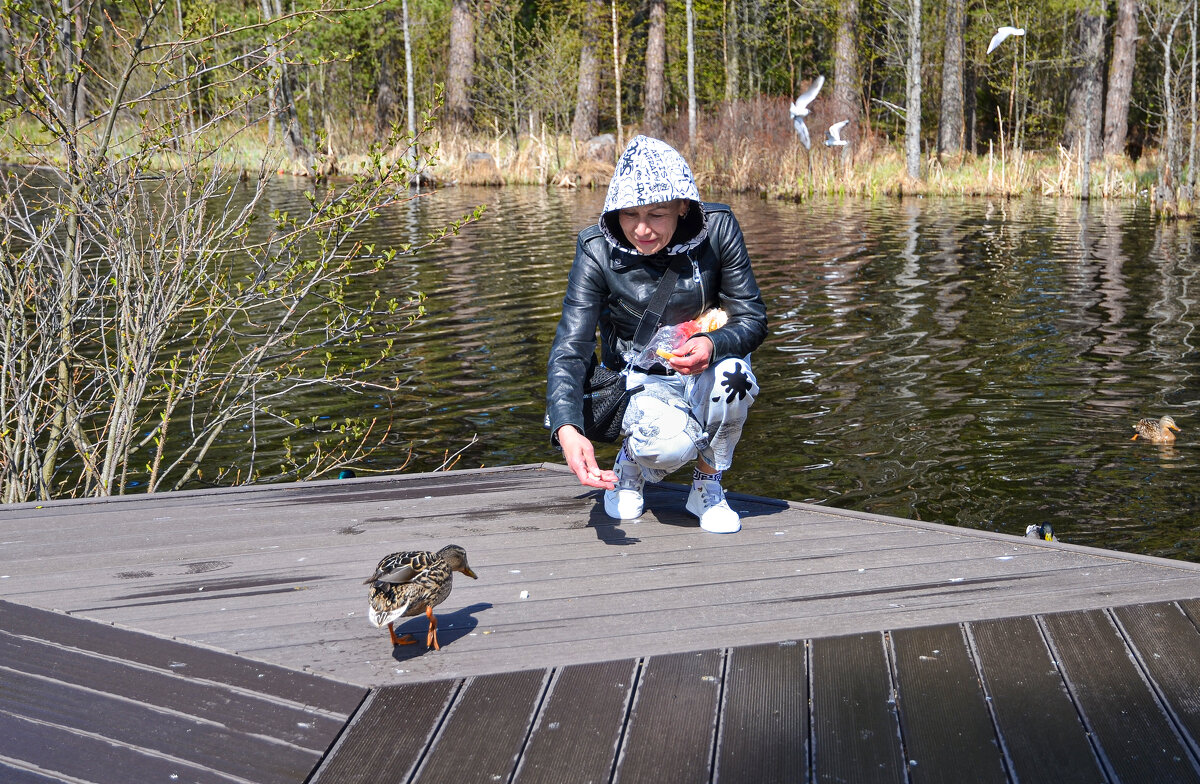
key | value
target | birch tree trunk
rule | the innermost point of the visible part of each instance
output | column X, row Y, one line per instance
column 970, row 109
column 847, row 99
column 616, row 54
column 691, row 76
column 733, row 64
column 912, row 85
column 656, row 55
column 1084, row 99
column 410, row 92
column 461, row 65
column 1120, row 77
column 1171, row 132
column 1191, row 164
column 950, row 121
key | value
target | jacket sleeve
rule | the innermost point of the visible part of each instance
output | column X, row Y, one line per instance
column 739, row 295
column 574, row 340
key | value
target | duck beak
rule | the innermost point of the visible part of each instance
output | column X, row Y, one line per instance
column 467, row 571
column 1175, row 427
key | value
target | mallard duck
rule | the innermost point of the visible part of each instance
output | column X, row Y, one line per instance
column 410, row 583
column 1155, row 432
column 1042, row 531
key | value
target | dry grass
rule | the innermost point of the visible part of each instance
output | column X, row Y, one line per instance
column 746, row 146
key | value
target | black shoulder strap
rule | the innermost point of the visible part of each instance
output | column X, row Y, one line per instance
column 658, row 303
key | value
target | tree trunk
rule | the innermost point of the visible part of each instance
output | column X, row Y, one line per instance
column 616, row 53
column 912, row 85
column 386, row 97
column 587, row 95
column 461, row 65
column 970, row 110
column 1191, row 165
column 656, row 56
column 1120, row 77
column 733, row 64
column 1170, row 176
column 409, row 89
column 950, row 124
column 285, row 105
column 1084, row 99
column 847, row 98
column 691, row 76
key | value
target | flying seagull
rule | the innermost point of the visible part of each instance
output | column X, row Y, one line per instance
column 799, row 110
column 1001, row 34
column 833, row 136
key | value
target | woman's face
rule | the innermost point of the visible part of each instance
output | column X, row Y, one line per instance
column 651, row 227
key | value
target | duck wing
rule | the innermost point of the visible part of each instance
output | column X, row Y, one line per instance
column 400, row 568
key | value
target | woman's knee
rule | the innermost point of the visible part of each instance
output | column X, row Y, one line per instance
column 662, row 454
column 732, row 386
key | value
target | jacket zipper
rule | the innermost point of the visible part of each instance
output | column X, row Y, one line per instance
column 699, row 281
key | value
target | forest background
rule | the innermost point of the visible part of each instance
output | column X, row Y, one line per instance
column 527, row 83
column 161, row 314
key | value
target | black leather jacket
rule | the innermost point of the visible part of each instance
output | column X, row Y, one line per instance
column 611, row 287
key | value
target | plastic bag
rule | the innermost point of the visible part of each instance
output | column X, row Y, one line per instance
column 669, row 339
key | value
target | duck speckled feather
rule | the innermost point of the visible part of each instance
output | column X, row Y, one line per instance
column 1155, row 431
column 410, row 583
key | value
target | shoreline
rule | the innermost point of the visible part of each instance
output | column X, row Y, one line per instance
column 780, row 171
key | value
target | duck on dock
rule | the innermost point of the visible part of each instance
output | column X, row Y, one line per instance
column 1156, row 432
column 410, row 583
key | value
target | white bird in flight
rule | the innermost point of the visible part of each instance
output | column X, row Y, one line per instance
column 833, row 136
column 799, row 110
column 1001, row 34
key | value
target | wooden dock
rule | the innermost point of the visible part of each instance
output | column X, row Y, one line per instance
column 221, row 636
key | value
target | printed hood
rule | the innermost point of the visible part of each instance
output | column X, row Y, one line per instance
column 648, row 172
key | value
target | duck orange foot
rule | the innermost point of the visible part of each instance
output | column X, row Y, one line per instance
column 405, row 640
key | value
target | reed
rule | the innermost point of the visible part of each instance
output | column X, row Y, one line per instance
column 744, row 148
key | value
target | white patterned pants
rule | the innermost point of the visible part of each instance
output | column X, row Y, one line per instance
column 677, row 418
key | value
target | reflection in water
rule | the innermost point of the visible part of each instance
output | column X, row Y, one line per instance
column 972, row 362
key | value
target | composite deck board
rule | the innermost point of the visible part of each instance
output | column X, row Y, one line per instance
column 673, row 722
column 98, row 703
column 486, row 730
column 497, row 636
column 1168, row 647
column 588, row 650
column 236, row 709
column 1037, row 721
column 576, row 735
column 65, row 755
column 944, row 718
column 389, row 736
column 1136, row 737
column 10, row 774
column 854, row 724
column 1191, row 608
column 763, row 736
column 86, row 712
column 180, row 659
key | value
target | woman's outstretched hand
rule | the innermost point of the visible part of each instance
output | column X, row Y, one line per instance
column 581, row 458
column 693, row 357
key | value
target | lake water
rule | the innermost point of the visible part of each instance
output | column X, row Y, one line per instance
column 971, row 362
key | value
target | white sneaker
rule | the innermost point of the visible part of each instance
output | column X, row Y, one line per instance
column 624, row 502
column 707, row 501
